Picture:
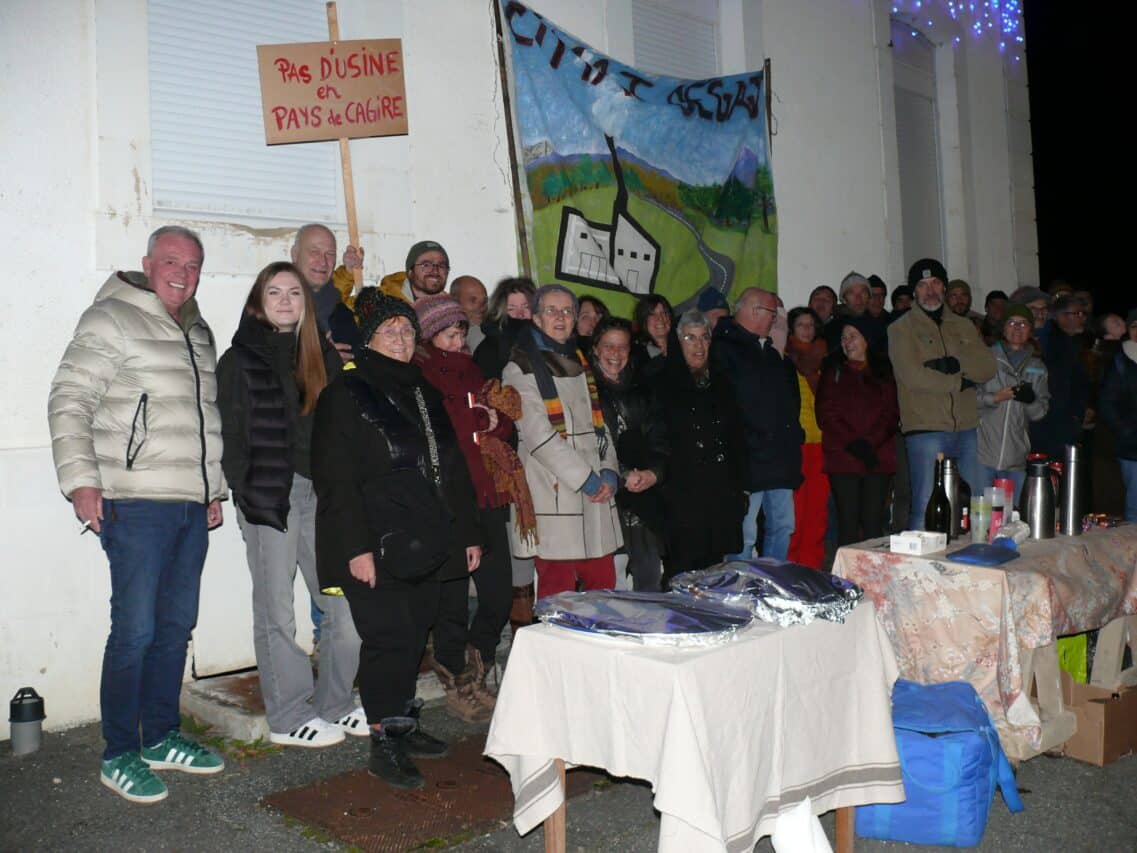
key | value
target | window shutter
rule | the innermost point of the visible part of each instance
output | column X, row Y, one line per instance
column 209, row 154
column 676, row 40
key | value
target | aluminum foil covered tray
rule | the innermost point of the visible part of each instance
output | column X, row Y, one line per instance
column 651, row 617
column 774, row 591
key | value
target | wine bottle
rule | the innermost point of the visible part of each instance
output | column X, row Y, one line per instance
column 964, row 507
column 937, row 515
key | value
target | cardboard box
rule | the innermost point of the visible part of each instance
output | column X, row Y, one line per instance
column 1107, row 721
column 917, row 542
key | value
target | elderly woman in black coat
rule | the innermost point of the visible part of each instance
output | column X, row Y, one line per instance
column 704, row 495
column 632, row 418
column 395, row 516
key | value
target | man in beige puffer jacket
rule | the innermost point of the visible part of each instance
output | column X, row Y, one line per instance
column 136, row 437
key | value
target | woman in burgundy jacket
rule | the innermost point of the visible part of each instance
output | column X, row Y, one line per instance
column 859, row 419
column 463, row 653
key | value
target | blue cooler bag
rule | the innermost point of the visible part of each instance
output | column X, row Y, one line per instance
column 951, row 760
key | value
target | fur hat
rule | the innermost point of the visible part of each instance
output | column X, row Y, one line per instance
column 438, row 312
column 421, row 248
column 926, row 268
column 1017, row 309
column 852, row 280
column 373, row 308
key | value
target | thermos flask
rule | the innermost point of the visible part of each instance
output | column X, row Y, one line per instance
column 1071, row 508
column 951, row 486
column 26, row 716
column 1037, row 501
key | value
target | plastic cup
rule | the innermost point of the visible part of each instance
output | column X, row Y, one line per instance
column 995, row 496
column 1008, row 487
column 980, row 518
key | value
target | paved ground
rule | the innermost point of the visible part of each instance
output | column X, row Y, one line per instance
column 52, row 800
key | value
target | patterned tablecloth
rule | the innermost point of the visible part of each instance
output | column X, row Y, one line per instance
column 950, row 621
column 730, row 736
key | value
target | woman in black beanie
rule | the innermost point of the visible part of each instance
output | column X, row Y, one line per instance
column 395, row 512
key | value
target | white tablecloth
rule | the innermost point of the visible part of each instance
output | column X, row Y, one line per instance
column 728, row 735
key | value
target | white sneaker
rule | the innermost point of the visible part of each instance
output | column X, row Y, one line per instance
column 314, row 734
column 354, row 723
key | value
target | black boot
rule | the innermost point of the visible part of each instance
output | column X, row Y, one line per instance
column 389, row 760
column 418, row 744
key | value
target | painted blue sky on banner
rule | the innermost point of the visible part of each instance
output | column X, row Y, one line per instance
column 677, row 125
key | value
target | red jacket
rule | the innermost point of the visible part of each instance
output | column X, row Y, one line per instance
column 852, row 404
column 455, row 375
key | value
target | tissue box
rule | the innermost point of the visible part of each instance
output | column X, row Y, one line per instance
column 917, row 542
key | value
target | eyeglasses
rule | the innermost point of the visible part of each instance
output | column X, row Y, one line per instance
column 758, row 308
column 1018, row 324
column 425, row 266
column 402, row 332
column 1074, row 313
column 552, row 313
column 690, row 339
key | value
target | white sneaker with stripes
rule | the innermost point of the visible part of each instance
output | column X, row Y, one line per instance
column 313, row 734
column 355, row 723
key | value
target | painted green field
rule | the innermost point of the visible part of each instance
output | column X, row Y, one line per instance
column 683, row 269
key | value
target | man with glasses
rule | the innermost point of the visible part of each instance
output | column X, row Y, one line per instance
column 938, row 358
column 1069, row 381
column 765, row 386
column 428, row 267
column 568, row 452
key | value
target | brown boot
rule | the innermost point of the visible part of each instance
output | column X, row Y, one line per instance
column 460, row 699
column 477, row 668
column 521, row 611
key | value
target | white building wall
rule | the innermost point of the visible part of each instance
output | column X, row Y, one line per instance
column 75, row 205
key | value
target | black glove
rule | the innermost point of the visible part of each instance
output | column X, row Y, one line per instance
column 864, row 452
column 948, row 364
column 1024, row 393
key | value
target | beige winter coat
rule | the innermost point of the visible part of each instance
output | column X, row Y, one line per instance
column 133, row 406
column 931, row 400
column 569, row 526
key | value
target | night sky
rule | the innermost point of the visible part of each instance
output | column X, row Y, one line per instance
column 1074, row 63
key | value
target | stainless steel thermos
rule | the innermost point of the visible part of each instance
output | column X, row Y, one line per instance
column 951, row 486
column 1037, row 502
column 1071, row 506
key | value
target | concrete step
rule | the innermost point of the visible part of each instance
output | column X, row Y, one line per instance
column 232, row 704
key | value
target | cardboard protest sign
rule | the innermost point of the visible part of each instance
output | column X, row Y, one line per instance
column 332, row 90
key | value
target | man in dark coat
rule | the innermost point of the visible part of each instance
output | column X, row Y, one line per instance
column 1069, row 382
column 765, row 385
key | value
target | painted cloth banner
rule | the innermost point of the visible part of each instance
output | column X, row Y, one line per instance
column 640, row 184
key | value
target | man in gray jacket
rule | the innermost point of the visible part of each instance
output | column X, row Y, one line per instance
column 136, row 437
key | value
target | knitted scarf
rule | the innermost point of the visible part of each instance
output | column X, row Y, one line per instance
column 502, row 462
column 535, row 344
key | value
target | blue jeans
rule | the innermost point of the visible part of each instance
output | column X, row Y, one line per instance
column 156, row 552
column 779, row 508
column 922, row 449
column 1129, row 479
column 991, row 474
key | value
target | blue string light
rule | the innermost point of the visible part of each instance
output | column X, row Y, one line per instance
column 1002, row 18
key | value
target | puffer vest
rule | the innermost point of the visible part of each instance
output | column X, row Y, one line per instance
column 263, row 497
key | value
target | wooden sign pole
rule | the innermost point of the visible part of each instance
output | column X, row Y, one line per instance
column 345, row 162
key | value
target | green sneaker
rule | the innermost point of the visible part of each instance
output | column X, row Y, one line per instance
column 176, row 752
column 129, row 777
